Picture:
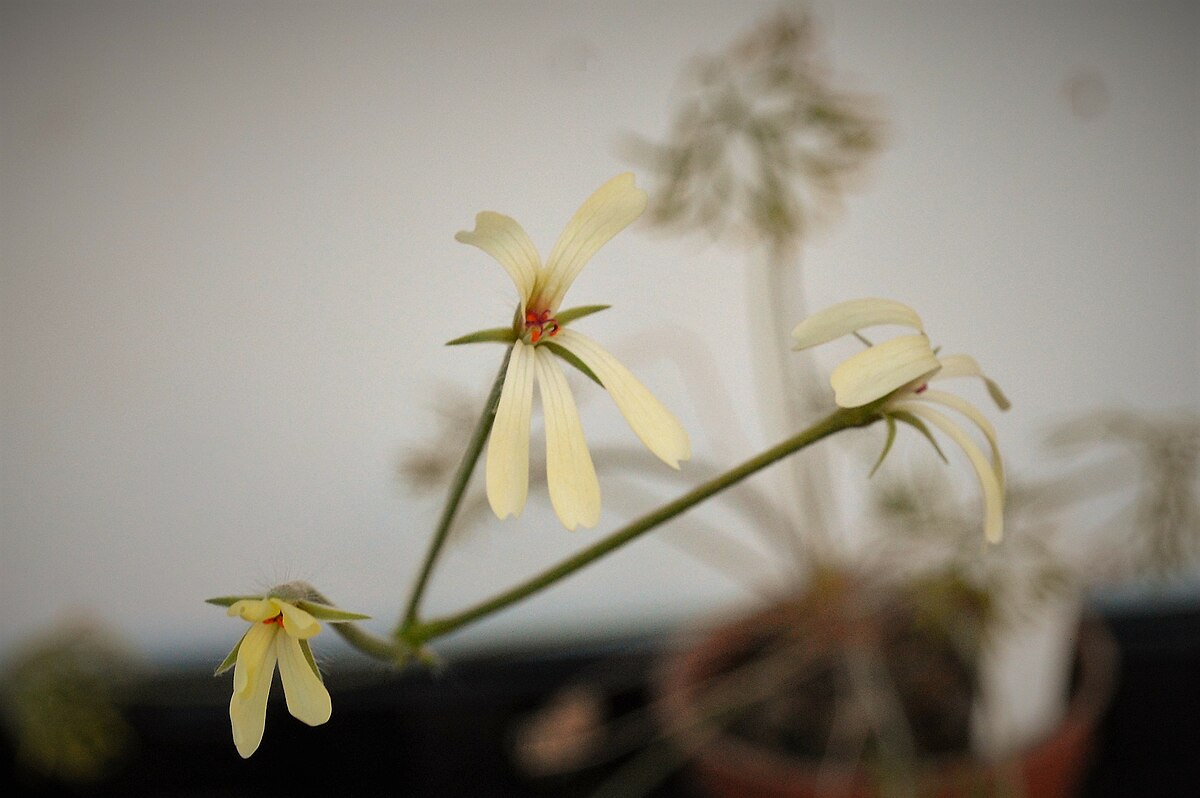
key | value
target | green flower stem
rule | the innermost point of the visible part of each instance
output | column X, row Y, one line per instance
column 459, row 486
column 417, row 633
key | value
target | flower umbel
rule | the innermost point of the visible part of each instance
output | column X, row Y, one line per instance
column 279, row 633
column 539, row 334
column 901, row 369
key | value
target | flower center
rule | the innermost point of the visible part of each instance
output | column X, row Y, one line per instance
column 278, row 620
column 539, row 324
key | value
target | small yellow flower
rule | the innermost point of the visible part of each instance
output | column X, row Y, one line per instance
column 279, row 633
column 540, row 334
column 901, row 369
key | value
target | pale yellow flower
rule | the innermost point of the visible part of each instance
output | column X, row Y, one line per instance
column 279, row 633
column 901, row 369
column 541, row 336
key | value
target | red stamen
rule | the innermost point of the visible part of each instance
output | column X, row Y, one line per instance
column 922, row 388
column 278, row 619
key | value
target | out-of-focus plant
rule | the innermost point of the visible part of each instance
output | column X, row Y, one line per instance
column 62, row 695
column 1156, row 458
column 761, row 148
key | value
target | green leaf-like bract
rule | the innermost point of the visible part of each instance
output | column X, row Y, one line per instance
column 571, row 358
column 323, row 612
column 499, row 335
column 919, row 426
column 575, row 314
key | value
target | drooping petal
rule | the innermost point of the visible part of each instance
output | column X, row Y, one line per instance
column 508, row 444
column 613, row 207
column 852, row 316
column 296, row 622
column 993, row 493
column 574, row 489
column 657, row 428
column 881, row 369
column 307, row 698
column 252, row 653
column 253, row 610
column 252, row 684
column 966, row 366
column 979, row 419
column 501, row 237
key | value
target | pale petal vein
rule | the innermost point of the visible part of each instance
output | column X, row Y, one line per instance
column 508, row 445
column 574, row 489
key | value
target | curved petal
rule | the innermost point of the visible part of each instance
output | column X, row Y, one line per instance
column 851, row 316
column 253, row 610
column 574, row 489
column 966, row 366
column 251, row 686
column 612, row 208
column 508, row 444
column 307, row 698
column 296, row 622
column 501, row 237
column 993, row 493
column 883, row 368
column 660, row 431
column 979, row 419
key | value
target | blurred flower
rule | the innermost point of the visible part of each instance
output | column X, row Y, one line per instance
column 539, row 331
column 901, row 369
column 279, row 633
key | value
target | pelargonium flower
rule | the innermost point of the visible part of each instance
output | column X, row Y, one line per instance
column 279, row 633
column 539, row 334
column 901, row 369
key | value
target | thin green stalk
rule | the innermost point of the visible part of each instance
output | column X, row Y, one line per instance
column 453, row 498
column 846, row 418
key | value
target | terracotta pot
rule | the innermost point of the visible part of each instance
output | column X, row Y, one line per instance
column 732, row 766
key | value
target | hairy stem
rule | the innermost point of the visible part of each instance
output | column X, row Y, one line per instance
column 454, row 498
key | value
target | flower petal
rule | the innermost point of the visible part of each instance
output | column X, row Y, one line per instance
column 252, row 684
column 501, row 237
column 307, row 698
column 574, row 489
column 649, row 419
column 980, row 420
column 253, row 610
column 296, row 622
column 881, row 369
column 965, row 366
column 508, row 444
column 993, row 493
column 612, row 208
column 252, row 652
column 851, row 316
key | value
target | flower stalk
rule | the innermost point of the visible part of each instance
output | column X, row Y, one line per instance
column 458, row 487
column 846, row 418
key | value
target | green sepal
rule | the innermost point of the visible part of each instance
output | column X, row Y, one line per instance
column 887, row 445
column 571, row 358
column 323, row 612
column 229, row 601
column 919, row 426
column 575, row 314
column 308, row 657
column 499, row 335
column 229, row 661
column 997, row 395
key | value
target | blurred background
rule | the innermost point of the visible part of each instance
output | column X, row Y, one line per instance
column 227, row 271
